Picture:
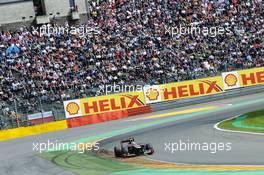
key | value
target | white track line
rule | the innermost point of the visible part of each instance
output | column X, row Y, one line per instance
column 233, row 131
column 217, row 128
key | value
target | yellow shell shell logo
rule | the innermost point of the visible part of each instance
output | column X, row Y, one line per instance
column 73, row 108
column 152, row 94
column 231, row 80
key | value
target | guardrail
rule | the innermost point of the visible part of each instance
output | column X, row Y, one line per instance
column 191, row 101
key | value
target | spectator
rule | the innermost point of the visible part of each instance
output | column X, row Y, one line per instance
column 131, row 46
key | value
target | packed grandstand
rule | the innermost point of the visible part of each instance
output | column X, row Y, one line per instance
column 136, row 43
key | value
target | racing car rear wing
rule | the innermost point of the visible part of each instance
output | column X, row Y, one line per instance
column 128, row 140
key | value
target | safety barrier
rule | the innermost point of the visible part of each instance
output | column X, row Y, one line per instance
column 72, row 123
column 96, row 118
column 139, row 111
column 108, row 116
column 32, row 130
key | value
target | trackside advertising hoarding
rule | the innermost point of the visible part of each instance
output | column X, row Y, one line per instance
column 185, row 89
column 231, row 80
column 103, row 104
column 243, row 78
column 164, row 92
column 251, row 77
column 206, row 86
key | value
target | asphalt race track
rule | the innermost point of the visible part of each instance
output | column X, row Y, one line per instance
column 246, row 149
column 17, row 156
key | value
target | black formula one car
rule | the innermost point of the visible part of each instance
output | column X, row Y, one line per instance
column 129, row 148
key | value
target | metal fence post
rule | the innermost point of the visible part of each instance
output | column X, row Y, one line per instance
column 41, row 109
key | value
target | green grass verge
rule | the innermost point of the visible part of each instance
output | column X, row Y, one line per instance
column 250, row 122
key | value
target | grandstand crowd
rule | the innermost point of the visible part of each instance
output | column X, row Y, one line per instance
column 132, row 45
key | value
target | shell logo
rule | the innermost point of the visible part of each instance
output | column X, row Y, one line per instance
column 152, row 94
column 73, row 108
column 231, row 80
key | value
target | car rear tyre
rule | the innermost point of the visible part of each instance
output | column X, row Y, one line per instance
column 118, row 152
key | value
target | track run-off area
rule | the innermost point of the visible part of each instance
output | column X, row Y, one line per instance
column 192, row 124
